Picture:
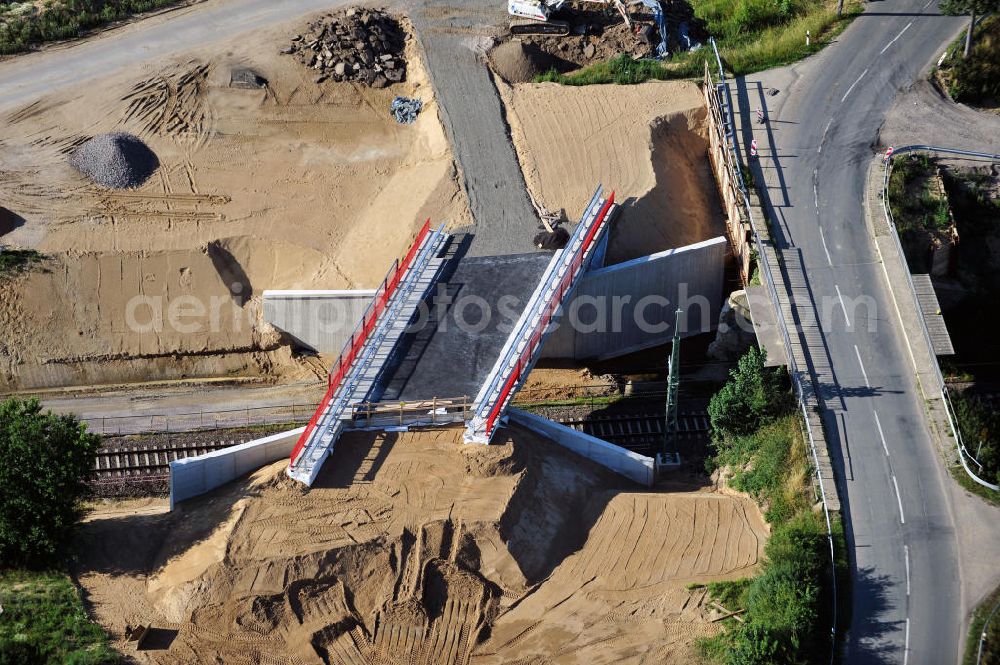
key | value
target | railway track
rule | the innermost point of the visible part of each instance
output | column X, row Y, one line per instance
column 636, row 432
column 639, row 432
column 129, row 462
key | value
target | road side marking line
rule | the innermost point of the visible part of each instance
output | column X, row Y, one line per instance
column 899, row 500
column 842, row 99
column 822, row 236
column 878, row 424
column 886, row 48
column 844, row 307
column 863, row 372
column 906, row 554
column 906, row 642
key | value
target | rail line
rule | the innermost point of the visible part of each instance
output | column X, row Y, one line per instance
column 638, row 431
column 120, row 462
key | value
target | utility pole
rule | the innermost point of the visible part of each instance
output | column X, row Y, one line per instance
column 673, row 383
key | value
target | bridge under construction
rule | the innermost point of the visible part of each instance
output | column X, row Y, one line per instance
column 377, row 346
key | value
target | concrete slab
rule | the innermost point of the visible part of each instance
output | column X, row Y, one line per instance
column 452, row 345
column 931, row 311
column 765, row 324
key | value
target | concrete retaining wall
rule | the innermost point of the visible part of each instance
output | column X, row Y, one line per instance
column 193, row 476
column 318, row 320
column 610, row 301
column 633, row 466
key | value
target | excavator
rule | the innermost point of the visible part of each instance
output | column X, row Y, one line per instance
column 538, row 15
column 535, row 17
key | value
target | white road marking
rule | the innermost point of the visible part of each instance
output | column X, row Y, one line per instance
column 878, row 424
column 886, row 48
column 844, row 307
column 816, row 188
column 854, row 84
column 863, row 372
column 822, row 140
column 822, row 236
column 906, row 642
column 906, row 554
column 899, row 500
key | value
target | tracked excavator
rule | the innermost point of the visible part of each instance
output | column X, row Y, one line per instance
column 536, row 17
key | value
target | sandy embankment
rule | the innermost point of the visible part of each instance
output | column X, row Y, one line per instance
column 647, row 142
column 412, row 548
column 303, row 185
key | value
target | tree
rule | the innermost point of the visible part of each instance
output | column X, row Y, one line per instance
column 753, row 396
column 45, row 462
column 972, row 8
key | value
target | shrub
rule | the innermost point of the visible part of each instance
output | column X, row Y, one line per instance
column 753, row 397
column 46, row 461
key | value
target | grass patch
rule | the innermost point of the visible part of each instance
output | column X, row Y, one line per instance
column 24, row 24
column 44, row 621
column 976, row 79
column 752, row 35
column 16, row 261
column 970, row 485
column 991, row 645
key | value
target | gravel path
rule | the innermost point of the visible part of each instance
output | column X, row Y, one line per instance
column 454, row 37
column 922, row 115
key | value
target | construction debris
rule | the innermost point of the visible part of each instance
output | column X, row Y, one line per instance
column 405, row 109
column 356, row 44
column 117, row 160
column 242, row 77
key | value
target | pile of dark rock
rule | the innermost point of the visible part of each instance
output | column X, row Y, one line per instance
column 356, row 44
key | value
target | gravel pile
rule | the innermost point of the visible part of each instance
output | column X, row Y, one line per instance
column 117, row 160
column 356, row 44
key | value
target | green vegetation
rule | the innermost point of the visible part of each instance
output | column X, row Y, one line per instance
column 991, row 645
column 44, row 621
column 918, row 207
column 46, row 461
column 23, row 24
column 975, row 79
column 753, row 397
column 16, row 261
column 980, row 426
column 758, row 436
column 752, row 35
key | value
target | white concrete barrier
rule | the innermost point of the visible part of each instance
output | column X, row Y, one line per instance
column 192, row 476
column 633, row 466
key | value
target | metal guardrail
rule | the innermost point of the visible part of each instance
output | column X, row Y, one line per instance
column 769, row 282
column 963, row 452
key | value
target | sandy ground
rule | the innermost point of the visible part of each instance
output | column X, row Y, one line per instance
column 646, row 142
column 302, row 185
column 412, row 548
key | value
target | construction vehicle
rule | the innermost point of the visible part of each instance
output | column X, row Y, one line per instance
column 538, row 18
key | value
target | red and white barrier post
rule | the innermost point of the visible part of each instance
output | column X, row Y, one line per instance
column 760, row 116
column 888, row 155
column 753, row 147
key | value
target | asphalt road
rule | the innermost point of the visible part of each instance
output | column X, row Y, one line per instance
column 815, row 150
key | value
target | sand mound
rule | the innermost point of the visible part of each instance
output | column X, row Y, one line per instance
column 412, row 548
column 517, row 62
column 646, row 141
column 117, row 160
